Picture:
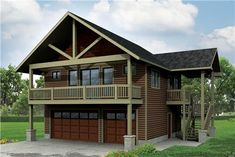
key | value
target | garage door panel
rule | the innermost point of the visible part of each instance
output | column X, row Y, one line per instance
column 66, row 135
column 111, row 139
column 93, row 137
column 74, row 129
column 84, row 122
column 84, row 136
column 93, row 123
column 74, row 136
column 84, row 129
column 111, row 123
column 75, row 125
column 120, row 139
column 93, row 129
column 121, row 131
column 121, row 124
column 74, row 122
column 110, row 130
column 66, row 121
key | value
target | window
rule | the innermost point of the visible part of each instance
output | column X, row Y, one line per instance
column 121, row 116
column 110, row 115
column 108, row 76
column 155, row 79
column 90, row 77
column 174, row 82
column 133, row 70
column 74, row 115
column 56, row 75
column 66, row 115
column 93, row 115
column 73, row 78
column 57, row 114
column 83, row 115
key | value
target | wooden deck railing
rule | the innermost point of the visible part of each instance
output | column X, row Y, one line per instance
column 178, row 95
column 114, row 91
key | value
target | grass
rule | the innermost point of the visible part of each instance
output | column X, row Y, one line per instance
column 17, row 130
column 223, row 145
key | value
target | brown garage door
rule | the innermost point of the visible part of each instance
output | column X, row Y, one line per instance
column 116, row 126
column 75, row 125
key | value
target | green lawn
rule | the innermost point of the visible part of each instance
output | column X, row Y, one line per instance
column 17, row 130
column 222, row 145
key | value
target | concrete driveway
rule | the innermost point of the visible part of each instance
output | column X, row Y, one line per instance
column 57, row 148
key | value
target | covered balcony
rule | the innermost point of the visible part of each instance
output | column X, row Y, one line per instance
column 95, row 94
column 178, row 96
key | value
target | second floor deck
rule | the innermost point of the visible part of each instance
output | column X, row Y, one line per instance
column 95, row 94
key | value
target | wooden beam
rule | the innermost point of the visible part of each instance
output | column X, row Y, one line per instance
column 202, row 99
column 60, row 51
column 129, row 106
column 30, row 78
column 88, row 47
column 90, row 60
column 213, row 98
column 74, row 38
column 30, row 117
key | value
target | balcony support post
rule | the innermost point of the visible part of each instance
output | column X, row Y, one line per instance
column 202, row 99
column 30, row 132
column 129, row 139
column 30, row 78
column 184, row 116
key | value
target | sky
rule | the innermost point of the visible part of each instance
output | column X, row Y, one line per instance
column 159, row 26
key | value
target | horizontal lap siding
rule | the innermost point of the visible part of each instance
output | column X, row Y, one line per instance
column 62, row 82
column 157, row 108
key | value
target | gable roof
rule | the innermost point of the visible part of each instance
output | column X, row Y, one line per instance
column 168, row 61
column 189, row 60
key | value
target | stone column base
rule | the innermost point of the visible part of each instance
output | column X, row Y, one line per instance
column 212, row 131
column 202, row 136
column 47, row 136
column 129, row 142
column 31, row 135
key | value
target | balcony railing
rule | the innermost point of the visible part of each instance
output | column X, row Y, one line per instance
column 114, row 91
column 178, row 96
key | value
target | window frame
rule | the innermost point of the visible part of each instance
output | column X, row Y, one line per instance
column 103, row 74
column 158, row 84
column 58, row 77
column 124, row 69
column 81, row 80
column 69, row 76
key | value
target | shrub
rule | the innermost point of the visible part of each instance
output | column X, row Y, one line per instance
column 144, row 150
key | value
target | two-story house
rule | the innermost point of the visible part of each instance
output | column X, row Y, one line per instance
column 101, row 87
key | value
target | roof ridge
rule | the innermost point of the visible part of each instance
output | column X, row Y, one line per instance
column 184, row 51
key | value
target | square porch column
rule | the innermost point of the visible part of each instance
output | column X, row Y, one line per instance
column 212, row 129
column 129, row 139
column 31, row 133
column 202, row 134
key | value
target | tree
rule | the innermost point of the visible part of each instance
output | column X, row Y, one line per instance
column 20, row 107
column 11, row 85
column 40, row 82
column 224, row 86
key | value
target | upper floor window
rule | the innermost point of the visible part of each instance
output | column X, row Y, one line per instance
column 155, row 79
column 174, row 82
column 107, row 75
column 90, row 77
column 133, row 69
column 73, row 77
column 56, row 75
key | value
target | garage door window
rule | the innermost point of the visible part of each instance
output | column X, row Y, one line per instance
column 74, row 115
column 121, row 116
column 84, row 115
column 110, row 115
column 57, row 114
column 93, row 115
column 66, row 115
